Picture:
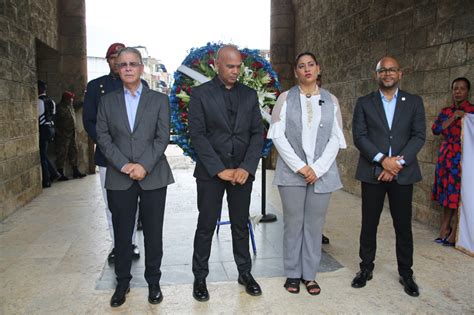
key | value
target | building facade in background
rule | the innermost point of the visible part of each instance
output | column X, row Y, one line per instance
column 155, row 72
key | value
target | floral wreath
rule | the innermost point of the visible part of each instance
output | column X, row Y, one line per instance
column 198, row 67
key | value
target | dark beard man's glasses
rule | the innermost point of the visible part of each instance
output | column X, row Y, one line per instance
column 387, row 70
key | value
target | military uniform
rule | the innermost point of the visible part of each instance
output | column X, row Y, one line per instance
column 65, row 140
column 95, row 90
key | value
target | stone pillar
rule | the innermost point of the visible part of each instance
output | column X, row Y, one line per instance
column 73, row 67
column 282, row 49
column 282, row 41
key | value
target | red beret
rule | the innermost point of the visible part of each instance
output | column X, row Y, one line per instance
column 68, row 95
column 113, row 49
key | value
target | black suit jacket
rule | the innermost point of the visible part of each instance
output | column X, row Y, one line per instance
column 372, row 134
column 217, row 145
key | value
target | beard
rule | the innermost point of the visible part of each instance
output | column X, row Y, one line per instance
column 387, row 84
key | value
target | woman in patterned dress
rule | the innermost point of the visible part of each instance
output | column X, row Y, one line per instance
column 447, row 183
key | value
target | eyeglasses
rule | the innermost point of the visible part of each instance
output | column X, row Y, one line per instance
column 387, row 70
column 132, row 64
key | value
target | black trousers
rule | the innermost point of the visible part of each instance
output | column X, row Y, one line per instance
column 400, row 202
column 210, row 194
column 123, row 205
column 47, row 168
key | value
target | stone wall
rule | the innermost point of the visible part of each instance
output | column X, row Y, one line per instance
column 32, row 47
column 432, row 39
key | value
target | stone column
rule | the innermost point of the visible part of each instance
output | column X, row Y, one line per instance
column 73, row 68
column 282, row 49
column 282, row 41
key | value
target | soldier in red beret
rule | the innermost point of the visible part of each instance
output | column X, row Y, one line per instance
column 65, row 140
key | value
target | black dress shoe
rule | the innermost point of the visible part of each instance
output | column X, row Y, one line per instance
column 154, row 294
column 251, row 286
column 111, row 257
column 46, row 184
column 119, row 295
column 410, row 286
column 361, row 278
column 135, row 251
column 200, row 292
column 324, row 240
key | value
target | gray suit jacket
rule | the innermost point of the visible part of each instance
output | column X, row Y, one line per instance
column 372, row 134
column 145, row 144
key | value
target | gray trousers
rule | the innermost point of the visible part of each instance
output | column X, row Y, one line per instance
column 304, row 214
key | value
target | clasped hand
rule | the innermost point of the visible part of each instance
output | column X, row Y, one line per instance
column 391, row 168
column 308, row 173
column 234, row 175
column 134, row 170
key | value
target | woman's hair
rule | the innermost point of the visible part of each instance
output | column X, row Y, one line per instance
column 462, row 79
column 306, row 53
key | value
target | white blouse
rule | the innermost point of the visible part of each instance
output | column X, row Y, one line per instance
column 309, row 135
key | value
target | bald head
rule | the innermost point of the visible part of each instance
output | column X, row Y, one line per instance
column 386, row 60
column 388, row 74
column 228, row 64
column 226, row 50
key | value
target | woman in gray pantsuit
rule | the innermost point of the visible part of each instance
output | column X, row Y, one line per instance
column 306, row 129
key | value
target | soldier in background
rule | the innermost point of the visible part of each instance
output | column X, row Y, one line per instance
column 46, row 111
column 65, row 141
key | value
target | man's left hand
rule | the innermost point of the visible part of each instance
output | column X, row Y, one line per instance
column 392, row 164
column 385, row 176
column 138, row 172
column 240, row 176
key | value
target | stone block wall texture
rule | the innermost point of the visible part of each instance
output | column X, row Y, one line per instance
column 34, row 44
column 432, row 39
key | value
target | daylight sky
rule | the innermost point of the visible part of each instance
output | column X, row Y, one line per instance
column 169, row 28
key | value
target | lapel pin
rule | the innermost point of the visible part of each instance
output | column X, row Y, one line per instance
column 403, row 98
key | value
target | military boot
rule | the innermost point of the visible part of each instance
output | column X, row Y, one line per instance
column 76, row 173
column 62, row 177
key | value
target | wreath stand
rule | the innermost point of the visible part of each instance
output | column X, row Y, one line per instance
column 266, row 217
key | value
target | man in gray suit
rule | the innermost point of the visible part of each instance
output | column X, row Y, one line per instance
column 388, row 128
column 133, row 133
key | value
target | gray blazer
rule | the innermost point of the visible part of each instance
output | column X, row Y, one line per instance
column 372, row 134
column 145, row 144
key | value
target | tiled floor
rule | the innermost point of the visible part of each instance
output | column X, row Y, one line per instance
column 53, row 260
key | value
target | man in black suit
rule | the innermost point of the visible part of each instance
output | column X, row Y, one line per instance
column 388, row 128
column 133, row 133
column 226, row 132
